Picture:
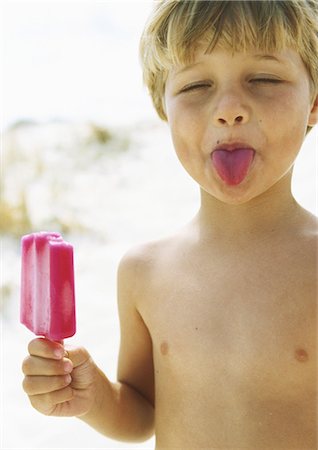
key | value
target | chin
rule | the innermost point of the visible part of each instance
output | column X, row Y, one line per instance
column 235, row 200
column 232, row 195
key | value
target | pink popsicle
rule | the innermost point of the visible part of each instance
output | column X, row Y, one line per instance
column 47, row 286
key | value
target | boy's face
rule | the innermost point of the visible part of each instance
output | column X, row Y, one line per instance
column 252, row 108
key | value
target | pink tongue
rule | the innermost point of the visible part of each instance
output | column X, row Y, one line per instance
column 232, row 166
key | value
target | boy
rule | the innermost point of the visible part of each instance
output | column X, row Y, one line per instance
column 219, row 322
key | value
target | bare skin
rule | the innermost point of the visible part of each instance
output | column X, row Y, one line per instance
column 234, row 335
column 219, row 322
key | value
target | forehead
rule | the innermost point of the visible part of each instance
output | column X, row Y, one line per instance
column 282, row 51
column 223, row 58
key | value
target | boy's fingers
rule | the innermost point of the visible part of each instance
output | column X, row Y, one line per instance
column 45, row 403
column 46, row 349
column 34, row 365
column 35, row 385
column 78, row 355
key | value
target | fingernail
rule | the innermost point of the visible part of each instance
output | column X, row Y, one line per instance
column 68, row 367
column 67, row 379
column 59, row 352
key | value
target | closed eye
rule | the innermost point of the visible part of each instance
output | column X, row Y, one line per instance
column 196, row 86
column 266, row 80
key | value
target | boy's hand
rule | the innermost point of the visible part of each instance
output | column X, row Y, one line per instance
column 59, row 382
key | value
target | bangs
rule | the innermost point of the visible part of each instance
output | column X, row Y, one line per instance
column 238, row 26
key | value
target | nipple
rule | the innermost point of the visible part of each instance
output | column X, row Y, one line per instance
column 301, row 355
column 233, row 166
column 164, row 348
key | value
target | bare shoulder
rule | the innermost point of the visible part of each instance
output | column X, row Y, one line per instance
column 138, row 258
column 302, row 246
column 308, row 231
column 311, row 224
column 143, row 263
column 145, row 256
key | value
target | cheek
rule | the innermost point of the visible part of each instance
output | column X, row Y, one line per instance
column 186, row 137
column 286, row 122
column 185, row 134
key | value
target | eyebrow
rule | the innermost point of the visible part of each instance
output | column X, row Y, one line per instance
column 259, row 57
column 267, row 58
column 187, row 68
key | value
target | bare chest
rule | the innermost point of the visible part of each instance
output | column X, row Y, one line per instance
column 241, row 325
column 242, row 341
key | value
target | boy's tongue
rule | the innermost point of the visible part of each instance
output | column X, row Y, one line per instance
column 232, row 166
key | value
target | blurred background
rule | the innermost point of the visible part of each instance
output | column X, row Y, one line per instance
column 83, row 153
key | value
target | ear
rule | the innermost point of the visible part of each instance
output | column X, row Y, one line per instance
column 313, row 116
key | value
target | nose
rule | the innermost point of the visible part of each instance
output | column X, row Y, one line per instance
column 230, row 111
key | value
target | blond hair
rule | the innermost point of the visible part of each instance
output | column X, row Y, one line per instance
column 177, row 27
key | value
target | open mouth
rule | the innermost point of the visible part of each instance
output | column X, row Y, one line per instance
column 232, row 165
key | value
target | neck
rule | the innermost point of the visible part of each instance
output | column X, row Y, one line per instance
column 274, row 211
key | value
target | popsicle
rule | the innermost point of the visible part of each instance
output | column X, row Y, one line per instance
column 47, row 286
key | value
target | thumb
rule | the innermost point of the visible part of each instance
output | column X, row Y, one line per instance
column 78, row 355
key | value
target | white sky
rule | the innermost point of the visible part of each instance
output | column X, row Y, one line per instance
column 73, row 59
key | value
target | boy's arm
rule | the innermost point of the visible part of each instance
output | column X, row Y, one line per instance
column 61, row 383
column 125, row 410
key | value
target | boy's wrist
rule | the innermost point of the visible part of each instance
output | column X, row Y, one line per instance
column 101, row 395
column 118, row 411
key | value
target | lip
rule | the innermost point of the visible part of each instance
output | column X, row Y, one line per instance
column 232, row 146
